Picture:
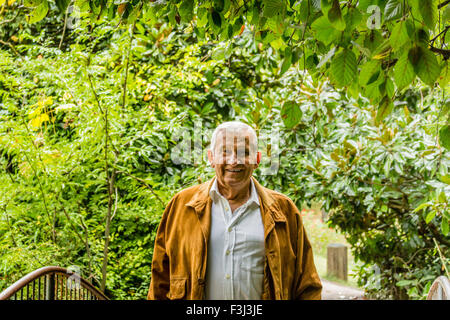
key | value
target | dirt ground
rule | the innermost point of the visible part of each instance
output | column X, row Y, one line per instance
column 336, row 291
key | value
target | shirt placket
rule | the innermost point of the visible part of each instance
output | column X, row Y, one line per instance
column 229, row 245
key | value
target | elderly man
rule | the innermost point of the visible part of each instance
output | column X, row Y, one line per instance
column 231, row 238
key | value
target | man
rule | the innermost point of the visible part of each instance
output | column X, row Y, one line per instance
column 231, row 238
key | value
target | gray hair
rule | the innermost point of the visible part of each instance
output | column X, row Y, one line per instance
column 233, row 126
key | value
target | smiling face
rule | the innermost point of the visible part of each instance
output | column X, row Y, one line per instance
column 234, row 157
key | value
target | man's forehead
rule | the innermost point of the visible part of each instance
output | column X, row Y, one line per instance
column 231, row 137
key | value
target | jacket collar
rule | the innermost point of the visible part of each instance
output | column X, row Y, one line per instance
column 199, row 200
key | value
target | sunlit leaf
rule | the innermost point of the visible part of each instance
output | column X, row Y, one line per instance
column 38, row 13
column 291, row 114
column 403, row 72
column 343, row 67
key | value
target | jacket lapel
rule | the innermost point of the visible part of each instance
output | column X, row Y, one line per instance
column 201, row 203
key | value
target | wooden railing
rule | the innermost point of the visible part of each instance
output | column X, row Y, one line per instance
column 52, row 283
column 440, row 289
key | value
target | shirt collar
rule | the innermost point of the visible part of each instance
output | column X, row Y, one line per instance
column 215, row 194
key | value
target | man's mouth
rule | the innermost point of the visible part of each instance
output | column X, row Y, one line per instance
column 234, row 170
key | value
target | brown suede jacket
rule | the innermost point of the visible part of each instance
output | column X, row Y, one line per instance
column 180, row 253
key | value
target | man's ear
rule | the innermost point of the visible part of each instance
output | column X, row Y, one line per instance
column 211, row 158
column 258, row 158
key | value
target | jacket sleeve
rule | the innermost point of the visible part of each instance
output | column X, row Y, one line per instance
column 160, row 277
column 307, row 282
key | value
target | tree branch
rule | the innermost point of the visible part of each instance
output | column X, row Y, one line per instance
column 443, row 4
column 443, row 52
column 145, row 184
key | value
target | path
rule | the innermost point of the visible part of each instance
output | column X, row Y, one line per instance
column 336, row 291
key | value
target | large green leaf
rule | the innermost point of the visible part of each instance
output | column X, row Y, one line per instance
column 352, row 19
column 38, row 13
column 62, row 4
column 325, row 6
column 444, row 137
column 430, row 216
column 425, row 64
column 344, row 67
column 445, row 226
column 399, row 35
column 384, row 109
column 335, row 16
column 403, row 72
column 324, row 31
column 393, row 10
column 327, row 57
column 291, row 114
column 272, row 7
column 429, row 11
column 368, row 70
column 186, row 10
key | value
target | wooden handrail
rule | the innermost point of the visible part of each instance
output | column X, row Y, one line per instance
column 49, row 274
column 440, row 289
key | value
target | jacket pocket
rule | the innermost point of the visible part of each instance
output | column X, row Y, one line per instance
column 177, row 289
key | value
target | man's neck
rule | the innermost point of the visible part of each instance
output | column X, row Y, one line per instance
column 235, row 196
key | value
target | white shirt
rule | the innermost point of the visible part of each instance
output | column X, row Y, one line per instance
column 235, row 266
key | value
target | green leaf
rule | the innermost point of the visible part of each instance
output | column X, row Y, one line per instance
column 429, row 11
column 218, row 5
column 442, row 198
column 445, row 178
column 327, row 57
column 382, row 51
column 393, row 10
column 352, row 19
column 62, row 5
column 399, row 35
column 272, row 7
column 373, row 40
column 216, row 18
column 305, row 11
column 446, row 14
column 430, row 216
column 403, row 72
column 344, row 67
column 404, row 283
column 426, row 66
column 444, row 226
column 362, row 49
column 186, row 10
column 237, row 25
column 335, row 16
column 325, row 6
column 390, row 88
column 422, row 206
column 30, row 3
column 444, row 77
column 291, row 114
column 218, row 54
column 38, row 13
column 324, row 31
column 368, row 70
column 287, row 61
column 444, row 137
column 384, row 109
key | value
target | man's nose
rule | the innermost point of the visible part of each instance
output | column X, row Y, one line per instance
column 234, row 159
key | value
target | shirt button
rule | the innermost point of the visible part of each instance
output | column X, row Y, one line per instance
column 229, row 229
column 227, row 276
column 228, row 252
